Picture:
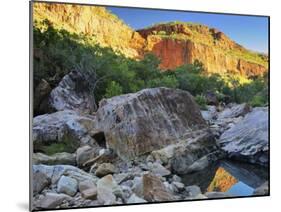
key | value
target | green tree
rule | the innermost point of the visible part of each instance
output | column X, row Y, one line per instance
column 113, row 89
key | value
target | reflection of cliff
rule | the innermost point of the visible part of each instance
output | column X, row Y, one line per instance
column 222, row 181
column 202, row 178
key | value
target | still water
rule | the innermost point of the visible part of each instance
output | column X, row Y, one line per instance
column 234, row 178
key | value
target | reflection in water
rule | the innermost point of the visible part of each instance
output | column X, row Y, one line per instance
column 237, row 179
column 222, row 181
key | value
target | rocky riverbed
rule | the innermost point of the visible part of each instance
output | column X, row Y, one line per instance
column 149, row 146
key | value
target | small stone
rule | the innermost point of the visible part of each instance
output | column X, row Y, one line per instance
column 84, row 154
column 138, row 186
column 105, row 169
column 170, row 188
column 193, row 190
column 40, row 181
column 107, row 187
column 216, row 194
column 119, row 178
column 149, row 158
column 135, row 199
column 86, row 184
column 90, row 193
column 67, row 185
column 176, row 178
column 154, row 189
column 262, row 190
column 199, row 196
column 158, row 169
column 178, row 185
column 127, row 191
column 52, row 200
column 88, row 189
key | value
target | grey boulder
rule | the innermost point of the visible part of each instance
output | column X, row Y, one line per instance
column 67, row 128
column 138, row 123
column 72, row 93
column 248, row 139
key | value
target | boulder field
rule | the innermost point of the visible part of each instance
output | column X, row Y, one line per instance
column 136, row 147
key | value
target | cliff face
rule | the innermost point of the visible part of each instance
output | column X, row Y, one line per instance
column 95, row 22
column 179, row 44
column 174, row 43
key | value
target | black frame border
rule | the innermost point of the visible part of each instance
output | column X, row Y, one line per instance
column 31, row 2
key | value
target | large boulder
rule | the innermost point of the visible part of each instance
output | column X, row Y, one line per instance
column 67, row 130
column 138, row 123
column 248, row 139
column 72, row 93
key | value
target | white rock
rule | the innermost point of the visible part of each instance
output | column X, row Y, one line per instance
column 135, row 199
column 107, row 188
column 67, row 185
column 158, row 169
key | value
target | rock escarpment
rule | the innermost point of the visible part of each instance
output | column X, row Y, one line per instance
column 177, row 44
column 97, row 23
column 138, row 123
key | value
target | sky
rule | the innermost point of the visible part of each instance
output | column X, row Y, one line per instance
column 249, row 31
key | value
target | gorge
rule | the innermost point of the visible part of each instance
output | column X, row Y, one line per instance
column 125, row 116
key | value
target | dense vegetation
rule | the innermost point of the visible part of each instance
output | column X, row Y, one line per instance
column 57, row 52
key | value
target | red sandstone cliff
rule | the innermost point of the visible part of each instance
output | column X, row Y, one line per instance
column 179, row 44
